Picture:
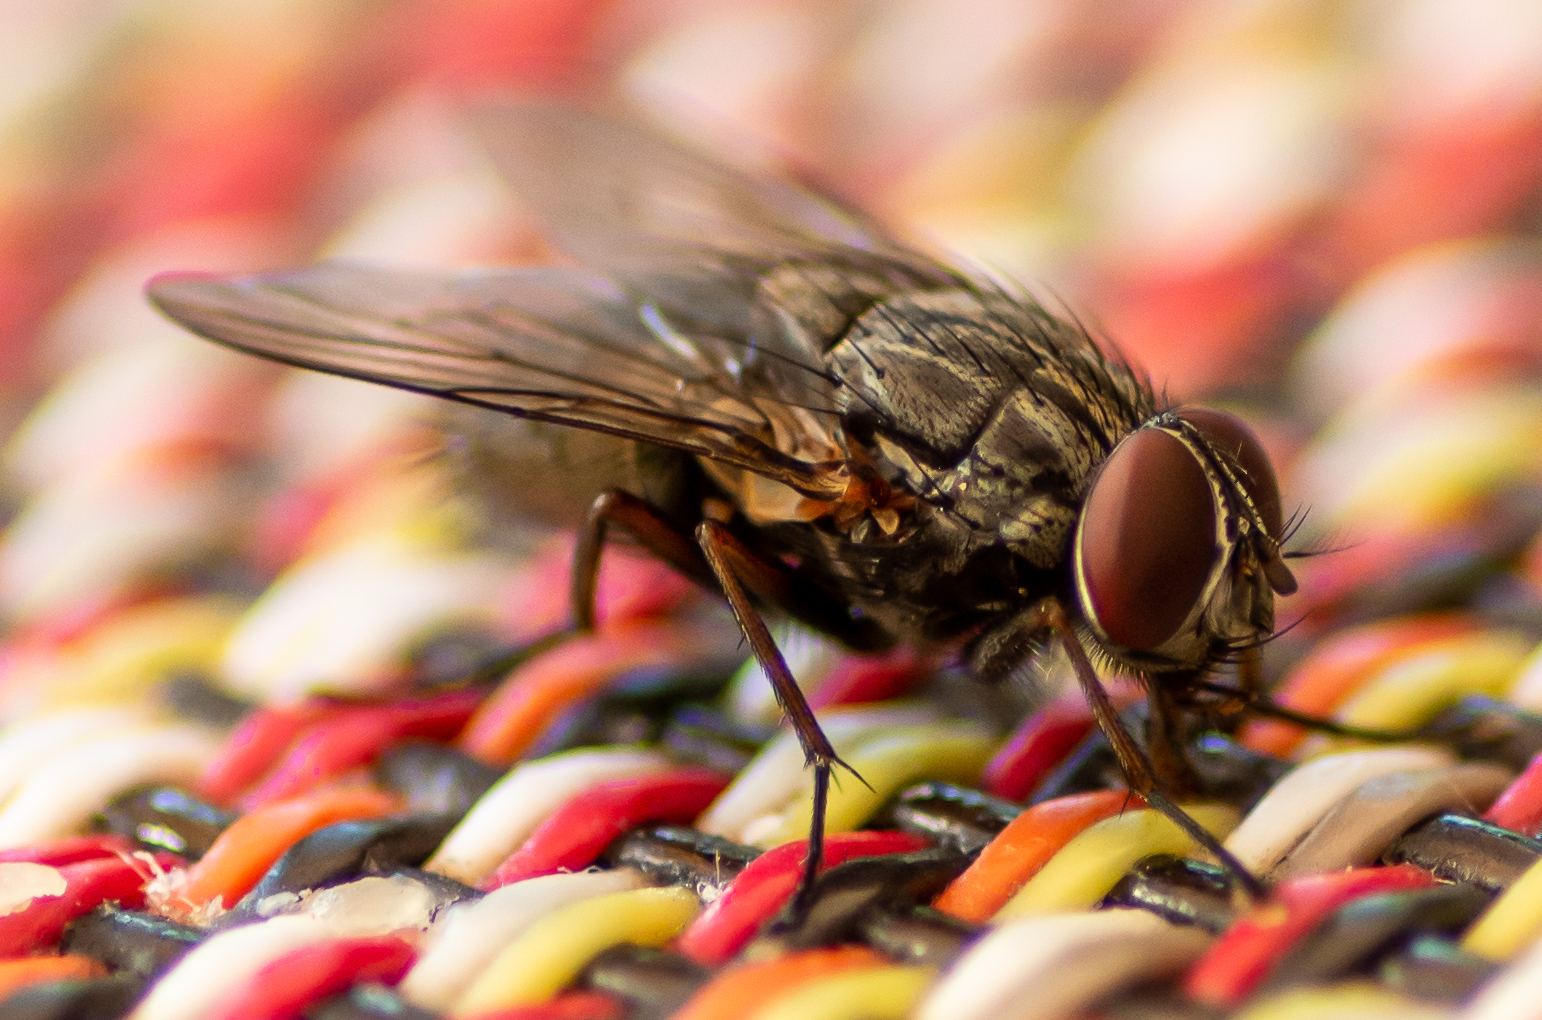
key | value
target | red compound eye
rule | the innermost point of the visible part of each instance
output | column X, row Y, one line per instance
column 1147, row 540
column 1228, row 433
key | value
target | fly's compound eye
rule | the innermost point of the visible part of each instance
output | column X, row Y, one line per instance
column 1147, row 542
column 1227, row 434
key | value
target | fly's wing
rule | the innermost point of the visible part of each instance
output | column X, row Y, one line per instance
column 761, row 277
column 610, row 191
column 549, row 344
column 714, row 298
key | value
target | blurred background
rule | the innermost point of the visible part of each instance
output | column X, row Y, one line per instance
column 1323, row 214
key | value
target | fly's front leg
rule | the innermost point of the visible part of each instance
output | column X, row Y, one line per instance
column 736, row 568
column 1263, row 705
column 1229, row 712
column 1166, row 738
column 1250, row 673
column 1051, row 616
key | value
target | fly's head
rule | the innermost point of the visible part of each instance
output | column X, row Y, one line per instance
column 1177, row 554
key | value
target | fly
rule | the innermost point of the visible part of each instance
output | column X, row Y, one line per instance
column 877, row 444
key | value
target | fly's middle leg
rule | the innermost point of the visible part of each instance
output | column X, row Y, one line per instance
column 714, row 555
column 736, row 569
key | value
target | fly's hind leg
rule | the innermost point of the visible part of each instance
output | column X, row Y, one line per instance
column 1137, row 768
column 652, row 530
column 768, row 581
column 645, row 524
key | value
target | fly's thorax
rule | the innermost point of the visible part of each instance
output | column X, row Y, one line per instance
column 991, row 412
column 817, row 303
column 931, row 368
column 1176, row 556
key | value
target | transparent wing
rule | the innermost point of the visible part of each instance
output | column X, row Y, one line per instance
column 761, row 275
column 610, row 191
column 702, row 324
column 548, row 344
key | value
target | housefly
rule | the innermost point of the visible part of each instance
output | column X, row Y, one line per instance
column 840, row 428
